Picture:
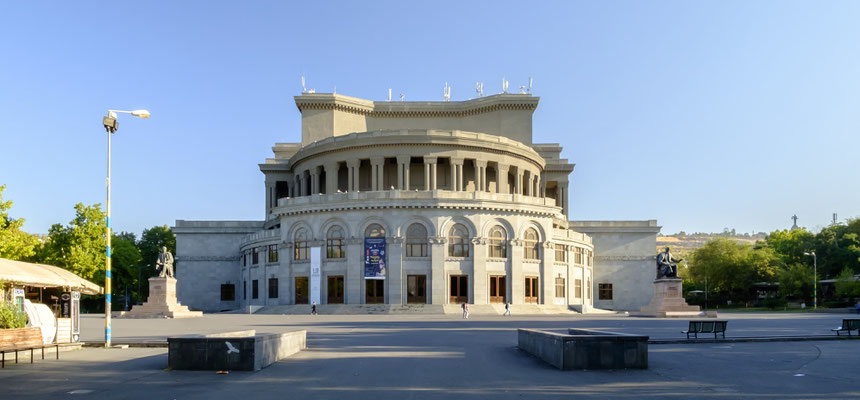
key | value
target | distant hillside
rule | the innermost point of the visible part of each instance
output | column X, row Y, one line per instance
column 681, row 244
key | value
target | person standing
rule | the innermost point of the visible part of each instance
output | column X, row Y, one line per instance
column 465, row 311
column 507, row 309
column 314, row 309
column 857, row 306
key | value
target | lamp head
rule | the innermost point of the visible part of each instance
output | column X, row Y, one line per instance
column 141, row 113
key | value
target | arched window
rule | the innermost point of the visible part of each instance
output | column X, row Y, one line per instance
column 416, row 241
column 497, row 246
column 301, row 250
column 374, row 230
column 531, row 244
column 334, row 242
column 458, row 241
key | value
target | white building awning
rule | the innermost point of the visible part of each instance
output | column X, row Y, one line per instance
column 41, row 275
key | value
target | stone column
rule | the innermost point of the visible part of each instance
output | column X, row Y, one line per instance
column 481, row 175
column 457, row 165
column 547, row 278
column 352, row 165
column 438, row 279
column 301, row 180
column 517, row 295
column 480, row 280
column 376, row 164
column 403, row 172
column 538, row 187
column 331, row 178
column 394, row 250
column 426, row 175
column 562, row 198
column 502, row 178
column 518, row 184
column 434, row 180
column 430, row 173
column 454, row 173
column 315, row 180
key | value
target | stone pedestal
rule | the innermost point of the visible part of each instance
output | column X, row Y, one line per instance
column 162, row 302
column 668, row 301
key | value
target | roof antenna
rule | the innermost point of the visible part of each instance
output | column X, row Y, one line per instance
column 402, row 96
column 389, row 94
column 479, row 87
column 505, row 85
column 531, row 81
column 306, row 90
column 446, row 93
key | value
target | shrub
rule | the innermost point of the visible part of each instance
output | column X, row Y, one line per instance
column 11, row 317
column 773, row 302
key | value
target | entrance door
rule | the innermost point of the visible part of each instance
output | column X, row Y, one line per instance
column 459, row 289
column 498, row 289
column 374, row 291
column 416, row 289
column 335, row 290
column 531, row 289
column 302, row 290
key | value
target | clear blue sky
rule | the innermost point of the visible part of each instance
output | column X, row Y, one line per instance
column 702, row 115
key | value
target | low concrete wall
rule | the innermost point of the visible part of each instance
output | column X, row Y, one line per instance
column 237, row 351
column 586, row 349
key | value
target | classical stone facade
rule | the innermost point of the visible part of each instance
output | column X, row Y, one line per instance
column 470, row 209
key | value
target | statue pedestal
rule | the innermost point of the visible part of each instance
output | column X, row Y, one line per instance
column 161, row 302
column 668, row 301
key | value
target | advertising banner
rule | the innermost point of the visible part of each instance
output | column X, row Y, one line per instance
column 374, row 258
column 316, row 258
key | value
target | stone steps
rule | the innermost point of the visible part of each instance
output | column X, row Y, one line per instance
column 356, row 309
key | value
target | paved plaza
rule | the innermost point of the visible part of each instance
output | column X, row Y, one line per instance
column 444, row 356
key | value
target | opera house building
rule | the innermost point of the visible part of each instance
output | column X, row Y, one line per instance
column 406, row 202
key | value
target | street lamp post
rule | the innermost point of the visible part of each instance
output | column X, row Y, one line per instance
column 814, row 279
column 111, row 126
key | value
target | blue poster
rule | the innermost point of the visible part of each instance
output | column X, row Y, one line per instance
column 374, row 258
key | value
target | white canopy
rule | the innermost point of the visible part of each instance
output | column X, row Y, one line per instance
column 41, row 275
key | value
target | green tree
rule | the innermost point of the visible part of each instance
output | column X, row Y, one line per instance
column 731, row 268
column 796, row 281
column 846, row 285
column 125, row 261
column 80, row 246
column 791, row 244
column 150, row 245
column 15, row 244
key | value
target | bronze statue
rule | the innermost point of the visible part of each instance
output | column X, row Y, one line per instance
column 666, row 265
column 164, row 265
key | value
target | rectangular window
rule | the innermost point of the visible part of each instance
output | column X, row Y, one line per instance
column 255, row 289
column 577, row 288
column 244, row 290
column 561, row 253
column 228, row 292
column 273, row 253
column 577, row 256
column 301, row 250
column 531, row 287
column 255, row 256
column 559, row 287
column 244, row 260
column 604, row 291
column 273, row 288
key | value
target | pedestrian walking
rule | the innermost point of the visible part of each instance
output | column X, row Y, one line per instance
column 314, row 309
column 857, row 306
column 465, row 311
column 507, row 309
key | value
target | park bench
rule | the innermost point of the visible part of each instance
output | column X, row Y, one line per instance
column 715, row 327
column 848, row 325
column 29, row 339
